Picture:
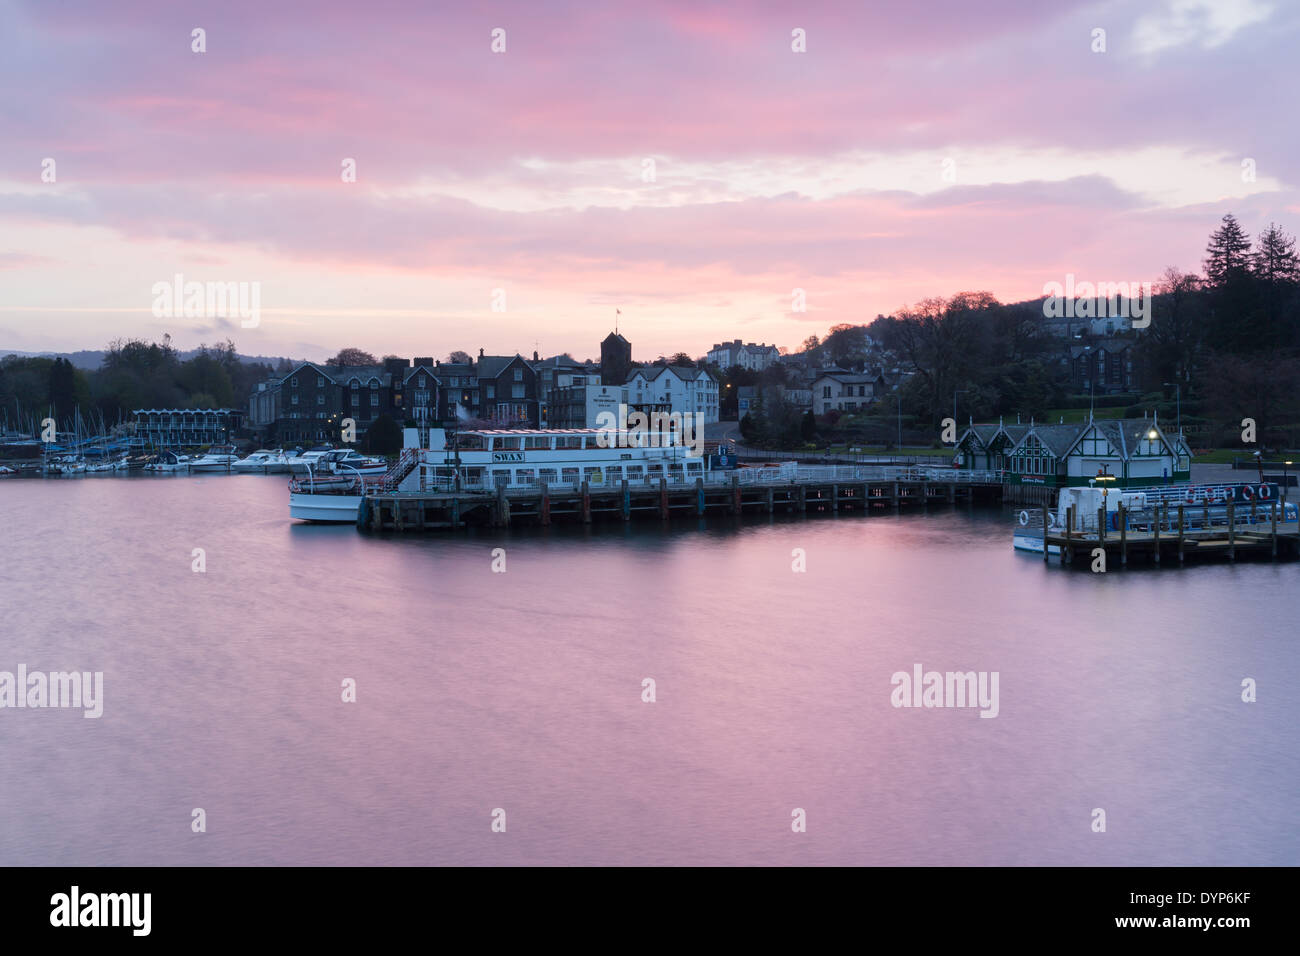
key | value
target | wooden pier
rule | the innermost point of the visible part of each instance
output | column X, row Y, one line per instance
column 540, row 505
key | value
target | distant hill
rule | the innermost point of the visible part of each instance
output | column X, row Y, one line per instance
column 91, row 359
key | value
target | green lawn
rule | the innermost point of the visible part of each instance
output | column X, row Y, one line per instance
column 946, row 451
column 1225, row 456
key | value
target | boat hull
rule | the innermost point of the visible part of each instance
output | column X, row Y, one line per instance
column 332, row 509
column 1033, row 543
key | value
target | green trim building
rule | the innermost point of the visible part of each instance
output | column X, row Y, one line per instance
column 1137, row 451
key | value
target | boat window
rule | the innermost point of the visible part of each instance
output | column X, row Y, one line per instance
column 538, row 442
column 505, row 444
column 591, row 441
column 501, row 477
column 614, row 473
column 571, row 476
column 547, row 475
column 566, row 442
column 525, row 476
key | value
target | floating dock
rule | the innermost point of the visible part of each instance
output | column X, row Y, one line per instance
column 1174, row 535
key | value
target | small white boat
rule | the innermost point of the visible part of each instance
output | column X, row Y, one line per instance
column 262, row 462
column 306, row 463
column 211, row 462
column 349, row 461
column 169, row 463
column 67, row 465
column 327, row 498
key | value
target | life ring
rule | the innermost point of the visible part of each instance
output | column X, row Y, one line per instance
column 1024, row 517
column 1247, row 492
column 1265, row 491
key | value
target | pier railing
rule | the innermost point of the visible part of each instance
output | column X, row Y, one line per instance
column 788, row 473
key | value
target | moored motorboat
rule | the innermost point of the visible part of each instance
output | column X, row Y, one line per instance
column 262, row 462
column 168, row 462
column 213, row 462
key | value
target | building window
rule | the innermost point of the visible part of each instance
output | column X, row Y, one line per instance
column 490, row 391
column 374, row 399
column 320, row 381
column 320, row 398
column 295, row 398
column 356, row 400
column 293, row 382
column 519, row 375
column 516, row 391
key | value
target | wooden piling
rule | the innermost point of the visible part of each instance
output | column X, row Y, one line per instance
column 1156, row 516
column 699, row 496
column 503, row 507
column 735, row 494
column 663, row 498
column 1180, row 534
column 1232, row 533
column 1122, row 519
column 835, row 498
column 627, row 501
column 586, row 503
column 1067, row 552
column 1045, row 548
column 546, row 505
column 1273, row 525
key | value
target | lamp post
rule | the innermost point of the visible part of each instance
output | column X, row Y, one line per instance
column 1178, row 397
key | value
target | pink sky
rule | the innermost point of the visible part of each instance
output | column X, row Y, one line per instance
column 524, row 171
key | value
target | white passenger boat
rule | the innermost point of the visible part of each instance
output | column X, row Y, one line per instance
column 523, row 458
column 483, row 461
column 1204, row 505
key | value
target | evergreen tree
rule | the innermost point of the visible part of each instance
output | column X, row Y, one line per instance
column 1228, row 252
column 1274, row 260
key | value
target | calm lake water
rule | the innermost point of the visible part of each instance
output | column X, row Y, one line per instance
column 522, row 691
